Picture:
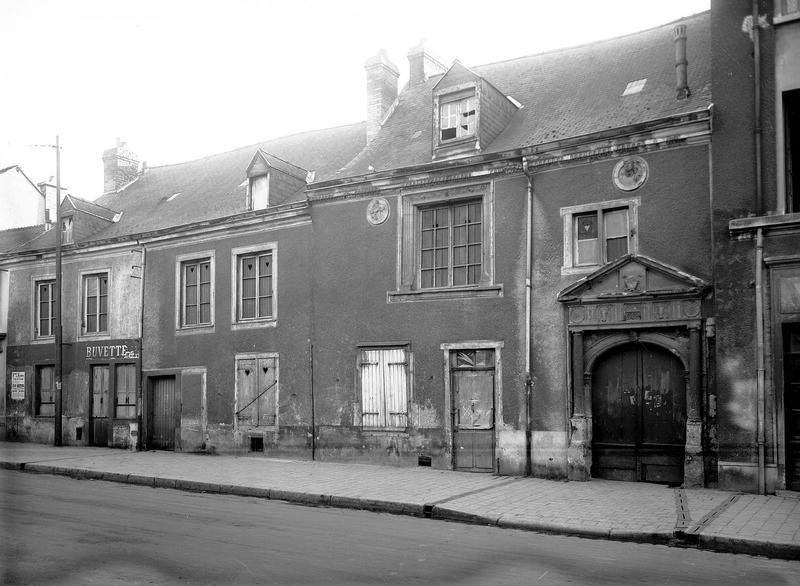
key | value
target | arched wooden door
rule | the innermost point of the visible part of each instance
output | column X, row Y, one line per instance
column 639, row 415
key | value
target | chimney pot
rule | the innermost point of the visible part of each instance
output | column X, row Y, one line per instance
column 681, row 63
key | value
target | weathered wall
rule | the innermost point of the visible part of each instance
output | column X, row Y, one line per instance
column 355, row 266
column 673, row 228
column 212, row 349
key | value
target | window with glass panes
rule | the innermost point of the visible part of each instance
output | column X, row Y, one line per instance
column 255, row 286
column 600, row 236
column 45, row 391
column 450, row 244
column 45, row 309
column 196, row 298
column 125, row 396
column 457, row 118
column 95, row 303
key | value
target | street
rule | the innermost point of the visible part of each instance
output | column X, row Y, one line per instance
column 57, row 530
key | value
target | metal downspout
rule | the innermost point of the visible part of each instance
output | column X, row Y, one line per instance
column 528, row 293
column 761, row 408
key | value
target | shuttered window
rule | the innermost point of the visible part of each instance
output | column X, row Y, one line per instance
column 45, row 308
column 384, row 388
column 196, row 293
column 256, row 392
column 125, row 391
column 254, row 299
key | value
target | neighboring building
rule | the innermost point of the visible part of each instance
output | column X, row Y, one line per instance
column 22, row 202
column 757, row 227
column 524, row 267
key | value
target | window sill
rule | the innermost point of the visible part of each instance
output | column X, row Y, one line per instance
column 49, row 340
column 445, row 293
column 382, row 430
column 191, row 330
column 94, row 336
column 255, row 324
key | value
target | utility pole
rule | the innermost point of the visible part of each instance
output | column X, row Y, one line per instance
column 57, row 433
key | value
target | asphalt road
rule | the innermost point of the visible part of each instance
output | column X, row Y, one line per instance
column 57, row 530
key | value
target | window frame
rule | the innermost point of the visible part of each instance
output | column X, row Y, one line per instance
column 384, row 403
column 130, row 392
column 237, row 254
column 82, row 326
column 37, row 282
column 181, row 261
column 450, row 95
column 408, row 274
column 570, row 216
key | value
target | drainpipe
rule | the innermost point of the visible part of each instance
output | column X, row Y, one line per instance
column 528, row 293
column 140, row 390
column 757, row 106
column 761, row 408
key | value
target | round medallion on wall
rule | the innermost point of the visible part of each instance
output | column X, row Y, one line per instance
column 377, row 211
column 630, row 173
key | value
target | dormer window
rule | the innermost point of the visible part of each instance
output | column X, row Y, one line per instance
column 259, row 192
column 457, row 117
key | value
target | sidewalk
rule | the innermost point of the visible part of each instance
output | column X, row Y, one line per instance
column 646, row 513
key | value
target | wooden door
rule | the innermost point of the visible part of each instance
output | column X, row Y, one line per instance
column 472, row 385
column 164, row 424
column 791, row 404
column 100, row 421
column 639, row 415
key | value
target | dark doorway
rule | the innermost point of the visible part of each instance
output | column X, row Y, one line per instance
column 639, row 415
column 473, row 409
column 100, row 405
column 162, row 413
column 791, row 403
column 791, row 117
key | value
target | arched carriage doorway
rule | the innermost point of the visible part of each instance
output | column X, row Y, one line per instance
column 638, row 414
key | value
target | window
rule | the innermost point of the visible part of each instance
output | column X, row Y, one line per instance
column 384, row 388
column 254, row 286
column 596, row 234
column 446, row 244
column 196, row 292
column 45, row 391
column 95, row 303
column 125, row 380
column 457, row 118
column 450, row 244
column 259, row 192
column 66, row 230
column 257, row 391
column 45, row 308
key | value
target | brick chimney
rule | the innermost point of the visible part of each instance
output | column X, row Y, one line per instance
column 382, row 77
column 421, row 65
column 120, row 167
column 682, row 84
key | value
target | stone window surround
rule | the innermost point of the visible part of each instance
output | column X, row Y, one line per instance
column 180, row 259
column 262, row 322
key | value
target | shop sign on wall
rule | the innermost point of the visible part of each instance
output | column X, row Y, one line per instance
column 17, row 385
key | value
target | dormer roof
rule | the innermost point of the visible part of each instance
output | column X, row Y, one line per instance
column 263, row 161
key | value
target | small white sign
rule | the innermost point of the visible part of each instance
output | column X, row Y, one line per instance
column 18, row 385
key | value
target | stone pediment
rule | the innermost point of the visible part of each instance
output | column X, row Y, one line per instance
column 633, row 276
column 632, row 290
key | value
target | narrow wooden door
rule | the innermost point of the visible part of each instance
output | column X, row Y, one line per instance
column 472, row 387
column 639, row 415
column 163, row 420
column 791, row 404
column 100, row 421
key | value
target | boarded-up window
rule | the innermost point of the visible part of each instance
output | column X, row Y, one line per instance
column 45, row 391
column 126, row 391
column 257, row 392
column 95, row 303
column 196, row 293
column 384, row 388
column 45, row 308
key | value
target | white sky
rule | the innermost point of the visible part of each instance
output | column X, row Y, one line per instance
column 181, row 79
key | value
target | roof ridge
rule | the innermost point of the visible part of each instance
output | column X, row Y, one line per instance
column 255, row 145
column 19, row 228
column 97, row 205
column 596, row 42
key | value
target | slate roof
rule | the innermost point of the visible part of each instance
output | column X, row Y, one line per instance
column 90, row 207
column 19, row 237
column 214, row 186
column 565, row 93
